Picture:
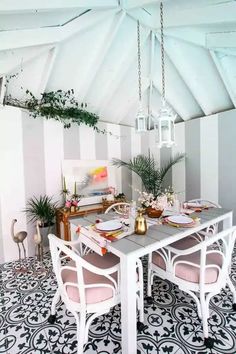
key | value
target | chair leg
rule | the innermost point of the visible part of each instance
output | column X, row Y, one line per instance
column 150, row 277
column 140, row 306
column 209, row 342
column 140, row 297
column 232, row 289
column 80, row 330
column 56, row 298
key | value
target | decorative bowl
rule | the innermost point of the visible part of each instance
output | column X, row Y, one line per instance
column 154, row 213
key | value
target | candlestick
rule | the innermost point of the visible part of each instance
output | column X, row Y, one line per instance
column 75, row 189
column 64, row 184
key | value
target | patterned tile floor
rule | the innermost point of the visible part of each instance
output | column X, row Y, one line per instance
column 171, row 322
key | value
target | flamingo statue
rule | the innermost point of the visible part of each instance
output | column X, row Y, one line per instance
column 18, row 238
column 38, row 240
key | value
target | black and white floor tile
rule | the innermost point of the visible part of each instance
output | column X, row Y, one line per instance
column 172, row 325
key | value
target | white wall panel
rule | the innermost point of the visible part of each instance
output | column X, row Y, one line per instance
column 53, row 155
column 209, row 158
column 135, row 150
column 114, row 150
column 87, row 143
column 178, row 170
column 12, row 195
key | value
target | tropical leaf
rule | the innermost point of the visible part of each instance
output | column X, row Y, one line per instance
column 42, row 208
column 146, row 168
column 177, row 158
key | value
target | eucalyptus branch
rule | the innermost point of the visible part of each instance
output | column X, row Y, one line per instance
column 59, row 105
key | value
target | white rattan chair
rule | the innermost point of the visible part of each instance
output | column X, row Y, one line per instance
column 201, row 268
column 87, row 284
column 198, row 236
column 120, row 208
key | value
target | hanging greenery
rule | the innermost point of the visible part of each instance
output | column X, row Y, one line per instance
column 59, row 105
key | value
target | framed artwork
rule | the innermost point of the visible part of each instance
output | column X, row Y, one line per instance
column 93, row 179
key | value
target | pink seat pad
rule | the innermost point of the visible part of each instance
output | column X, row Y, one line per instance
column 189, row 272
column 95, row 294
column 185, row 243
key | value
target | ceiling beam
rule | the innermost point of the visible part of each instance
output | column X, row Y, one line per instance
column 186, row 34
column 16, row 6
column 52, row 54
column 214, row 14
column 28, row 38
column 50, row 35
column 119, row 75
column 221, row 39
column 223, row 76
column 182, row 78
column 132, row 4
column 167, row 99
column 9, row 66
column 221, row 13
column 83, row 23
column 199, row 42
column 122, row 113
column 101, row 55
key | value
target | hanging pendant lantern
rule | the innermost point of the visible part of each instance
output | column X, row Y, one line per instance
column 164, row 127
column 141, row 122
column 164, row 122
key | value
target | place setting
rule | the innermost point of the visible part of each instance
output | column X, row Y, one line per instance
column 103, row 232
column 180, row 220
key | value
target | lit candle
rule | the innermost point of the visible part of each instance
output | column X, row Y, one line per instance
column 64, row 184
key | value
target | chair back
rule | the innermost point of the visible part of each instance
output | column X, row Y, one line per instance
column 66, row 260
column 212, row 229
column 215, row 253
column 121, row 208
column 205, row 201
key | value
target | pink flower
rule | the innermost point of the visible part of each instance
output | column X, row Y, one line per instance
column 68, row 204
column 75, row 203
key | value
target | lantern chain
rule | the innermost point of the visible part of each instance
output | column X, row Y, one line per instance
column 139, row 63
column 162, row 53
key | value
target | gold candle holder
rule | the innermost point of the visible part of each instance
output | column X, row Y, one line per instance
column 140, row 226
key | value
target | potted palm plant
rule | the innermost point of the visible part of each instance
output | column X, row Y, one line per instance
column 42, row 209
column 146, row 168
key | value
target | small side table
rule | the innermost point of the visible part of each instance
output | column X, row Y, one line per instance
column 63, row 216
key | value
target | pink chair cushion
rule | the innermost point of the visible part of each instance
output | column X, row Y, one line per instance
column 189, row 272
column 95, row 294
column 185, row 243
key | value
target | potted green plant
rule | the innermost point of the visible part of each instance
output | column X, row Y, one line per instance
column 42, row 209
column 146, row 168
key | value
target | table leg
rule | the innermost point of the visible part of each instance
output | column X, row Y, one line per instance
column 128, row 305
column 228, row 222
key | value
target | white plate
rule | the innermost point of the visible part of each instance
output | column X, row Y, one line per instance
column 180, row 219
column 111, row 225
column 195, row 205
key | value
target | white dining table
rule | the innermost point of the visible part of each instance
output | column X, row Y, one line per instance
column 132, row 247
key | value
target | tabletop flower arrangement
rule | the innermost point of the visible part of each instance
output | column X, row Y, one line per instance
column 71, row 201
column 154, row 205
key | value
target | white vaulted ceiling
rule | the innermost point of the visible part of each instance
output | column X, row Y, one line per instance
column 91, row 46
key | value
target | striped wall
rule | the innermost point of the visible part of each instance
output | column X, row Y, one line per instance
column 209, row 170
column 31, row 152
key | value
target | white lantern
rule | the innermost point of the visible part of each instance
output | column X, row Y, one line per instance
column 164, row 123
column 164, row 127
column 141, row 123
